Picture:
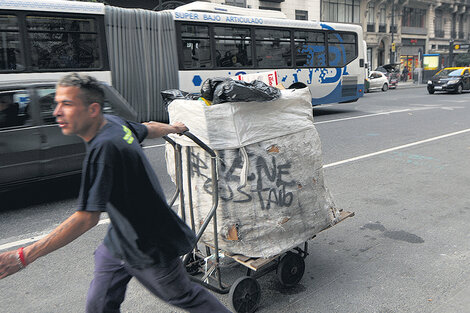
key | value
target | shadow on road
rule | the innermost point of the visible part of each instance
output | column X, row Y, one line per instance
column 40, row 193
column 319, row 111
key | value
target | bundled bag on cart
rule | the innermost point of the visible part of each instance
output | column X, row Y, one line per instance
column 272, row 195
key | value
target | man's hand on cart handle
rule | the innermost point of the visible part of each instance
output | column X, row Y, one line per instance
column 10, row 263
column 156, row 129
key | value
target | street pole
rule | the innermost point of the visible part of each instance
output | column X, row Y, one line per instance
column 392, row 53
column 451, row 52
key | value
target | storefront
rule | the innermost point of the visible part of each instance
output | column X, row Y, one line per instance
column 411, row 54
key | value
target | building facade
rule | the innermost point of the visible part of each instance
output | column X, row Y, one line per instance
column 403, row 31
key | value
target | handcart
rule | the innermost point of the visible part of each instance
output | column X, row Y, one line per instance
column 204, row 262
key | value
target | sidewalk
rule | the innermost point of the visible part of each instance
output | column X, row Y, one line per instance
column 409, row 84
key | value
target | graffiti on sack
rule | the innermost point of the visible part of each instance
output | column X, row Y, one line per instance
column 274, row 173
column 268, row 184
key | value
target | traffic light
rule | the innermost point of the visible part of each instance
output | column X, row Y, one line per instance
column 393, row 47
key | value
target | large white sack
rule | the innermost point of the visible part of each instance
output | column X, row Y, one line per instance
column 272, row 194
column 237, row 124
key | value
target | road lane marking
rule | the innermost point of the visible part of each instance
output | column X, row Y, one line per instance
column 373, row 114
column 107, row 221
column 396, row 148
column 26, row 241
column 154, row 146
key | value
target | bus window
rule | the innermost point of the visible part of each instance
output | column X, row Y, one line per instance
column 196, row 46
column 342, row 48
column 11, row 58
column 59, row 42
column 233, row 47
column 273, row 48
column 310, row 49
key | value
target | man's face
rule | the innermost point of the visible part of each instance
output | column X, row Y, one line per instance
column 72, row 115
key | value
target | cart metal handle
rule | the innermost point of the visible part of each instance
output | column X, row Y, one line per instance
column 215, row 192
column 199, row 143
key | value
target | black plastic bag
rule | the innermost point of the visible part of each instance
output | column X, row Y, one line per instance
column 219, row 90
column 172, row 94
column 209, row 85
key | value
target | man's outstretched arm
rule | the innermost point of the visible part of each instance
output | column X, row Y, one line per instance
column 157, row 129
column 72, row 228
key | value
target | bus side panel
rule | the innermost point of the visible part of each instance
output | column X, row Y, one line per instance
column 327, row 85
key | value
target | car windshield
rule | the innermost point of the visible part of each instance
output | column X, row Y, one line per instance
column 449, row 72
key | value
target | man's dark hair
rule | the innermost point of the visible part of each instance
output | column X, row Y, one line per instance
column 90, row 87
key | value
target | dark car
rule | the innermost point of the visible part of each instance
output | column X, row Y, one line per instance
column 32, row 146
column 392, row 71
column 450, row 79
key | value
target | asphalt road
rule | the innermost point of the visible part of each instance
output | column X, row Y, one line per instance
column 399, row 159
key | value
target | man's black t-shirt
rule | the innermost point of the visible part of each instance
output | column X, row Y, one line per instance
column 117, row 178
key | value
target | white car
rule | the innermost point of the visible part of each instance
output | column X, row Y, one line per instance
column 378, row 80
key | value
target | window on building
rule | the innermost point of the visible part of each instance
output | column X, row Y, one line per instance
column 301, row 15
column 453, row 32
column 341, row 11
column 394, row 21
column 461, row 29
column 269, row 8
column 413, row 17
column 237, row 3
column 438, row 24
column 371, row 13
column 371, row 17
column 382, row 19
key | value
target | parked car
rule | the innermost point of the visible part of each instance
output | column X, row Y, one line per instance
column 450, row 79
column 377, row 81
column 32, row 146
column 392, row 71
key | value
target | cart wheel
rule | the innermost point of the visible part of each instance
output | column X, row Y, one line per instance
column 245, row 295
column 290, row 270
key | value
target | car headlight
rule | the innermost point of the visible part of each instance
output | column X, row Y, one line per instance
column 429, row 82
column 451, row 82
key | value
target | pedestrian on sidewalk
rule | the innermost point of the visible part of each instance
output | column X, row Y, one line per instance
column 145, row 238
column 405, row 73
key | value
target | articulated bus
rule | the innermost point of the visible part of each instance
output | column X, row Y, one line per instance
column 328, row 58
column 143, row 52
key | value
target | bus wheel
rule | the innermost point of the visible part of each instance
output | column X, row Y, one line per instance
column 297, row 86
